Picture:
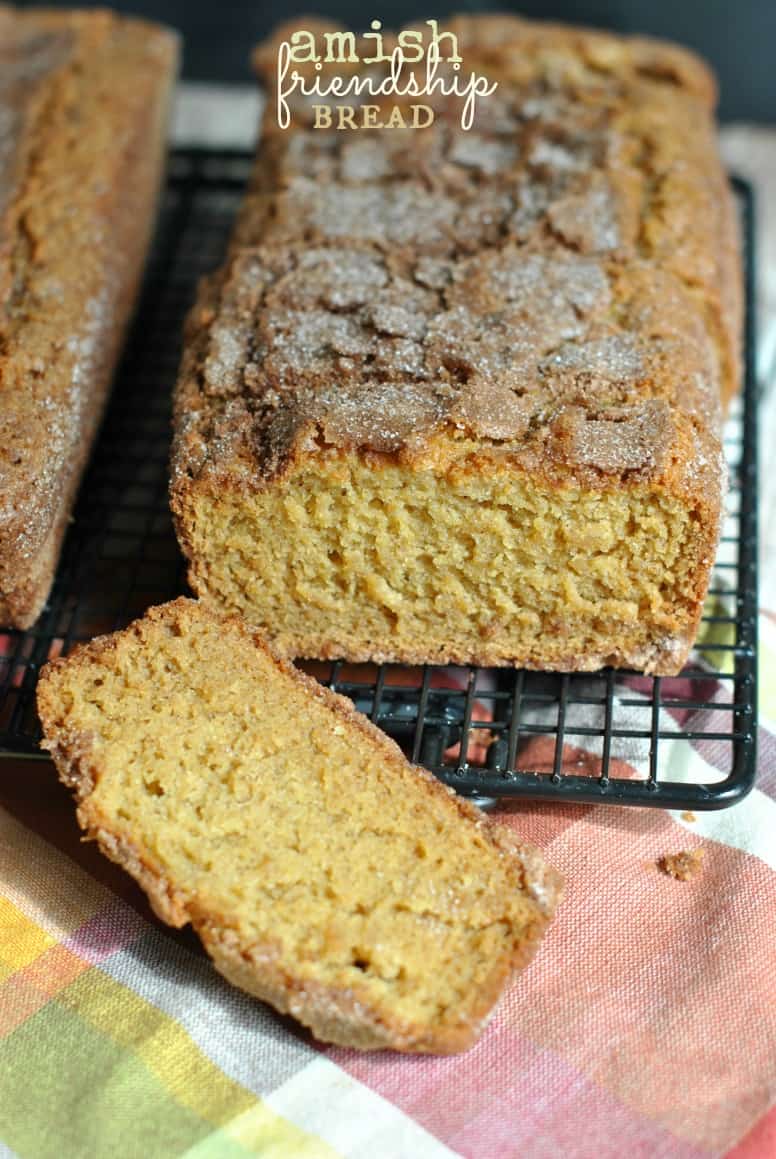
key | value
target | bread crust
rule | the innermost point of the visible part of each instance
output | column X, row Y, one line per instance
column 87, row 97
column 334, row 1015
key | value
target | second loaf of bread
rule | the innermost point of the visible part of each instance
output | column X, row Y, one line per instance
column 84, row 98
column 456, row 397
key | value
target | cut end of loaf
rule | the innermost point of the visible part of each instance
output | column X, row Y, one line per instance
column 475, row 564
column 323, row 873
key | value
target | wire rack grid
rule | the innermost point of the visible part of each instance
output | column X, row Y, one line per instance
column 686, row 742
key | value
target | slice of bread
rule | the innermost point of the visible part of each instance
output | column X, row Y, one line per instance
column 322, row 871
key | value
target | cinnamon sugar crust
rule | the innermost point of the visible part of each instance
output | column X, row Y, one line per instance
column 83, row 102
column 553, row 297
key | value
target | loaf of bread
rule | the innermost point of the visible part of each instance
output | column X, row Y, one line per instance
column 323, row 872
column 83, row 104
column 456, row 395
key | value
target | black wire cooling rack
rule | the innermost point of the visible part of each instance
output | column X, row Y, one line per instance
column 686, row 742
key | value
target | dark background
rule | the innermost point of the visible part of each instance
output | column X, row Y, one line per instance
column 739, row 39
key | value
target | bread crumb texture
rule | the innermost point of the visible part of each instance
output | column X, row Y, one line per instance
column 322, row 871
column 358, row 560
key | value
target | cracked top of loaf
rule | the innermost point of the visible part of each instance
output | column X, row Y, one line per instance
column 558, row 284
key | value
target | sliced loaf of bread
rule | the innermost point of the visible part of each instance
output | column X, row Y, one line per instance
column 323, row 872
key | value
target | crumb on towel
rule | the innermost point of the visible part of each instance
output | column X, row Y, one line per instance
column 683, row 866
